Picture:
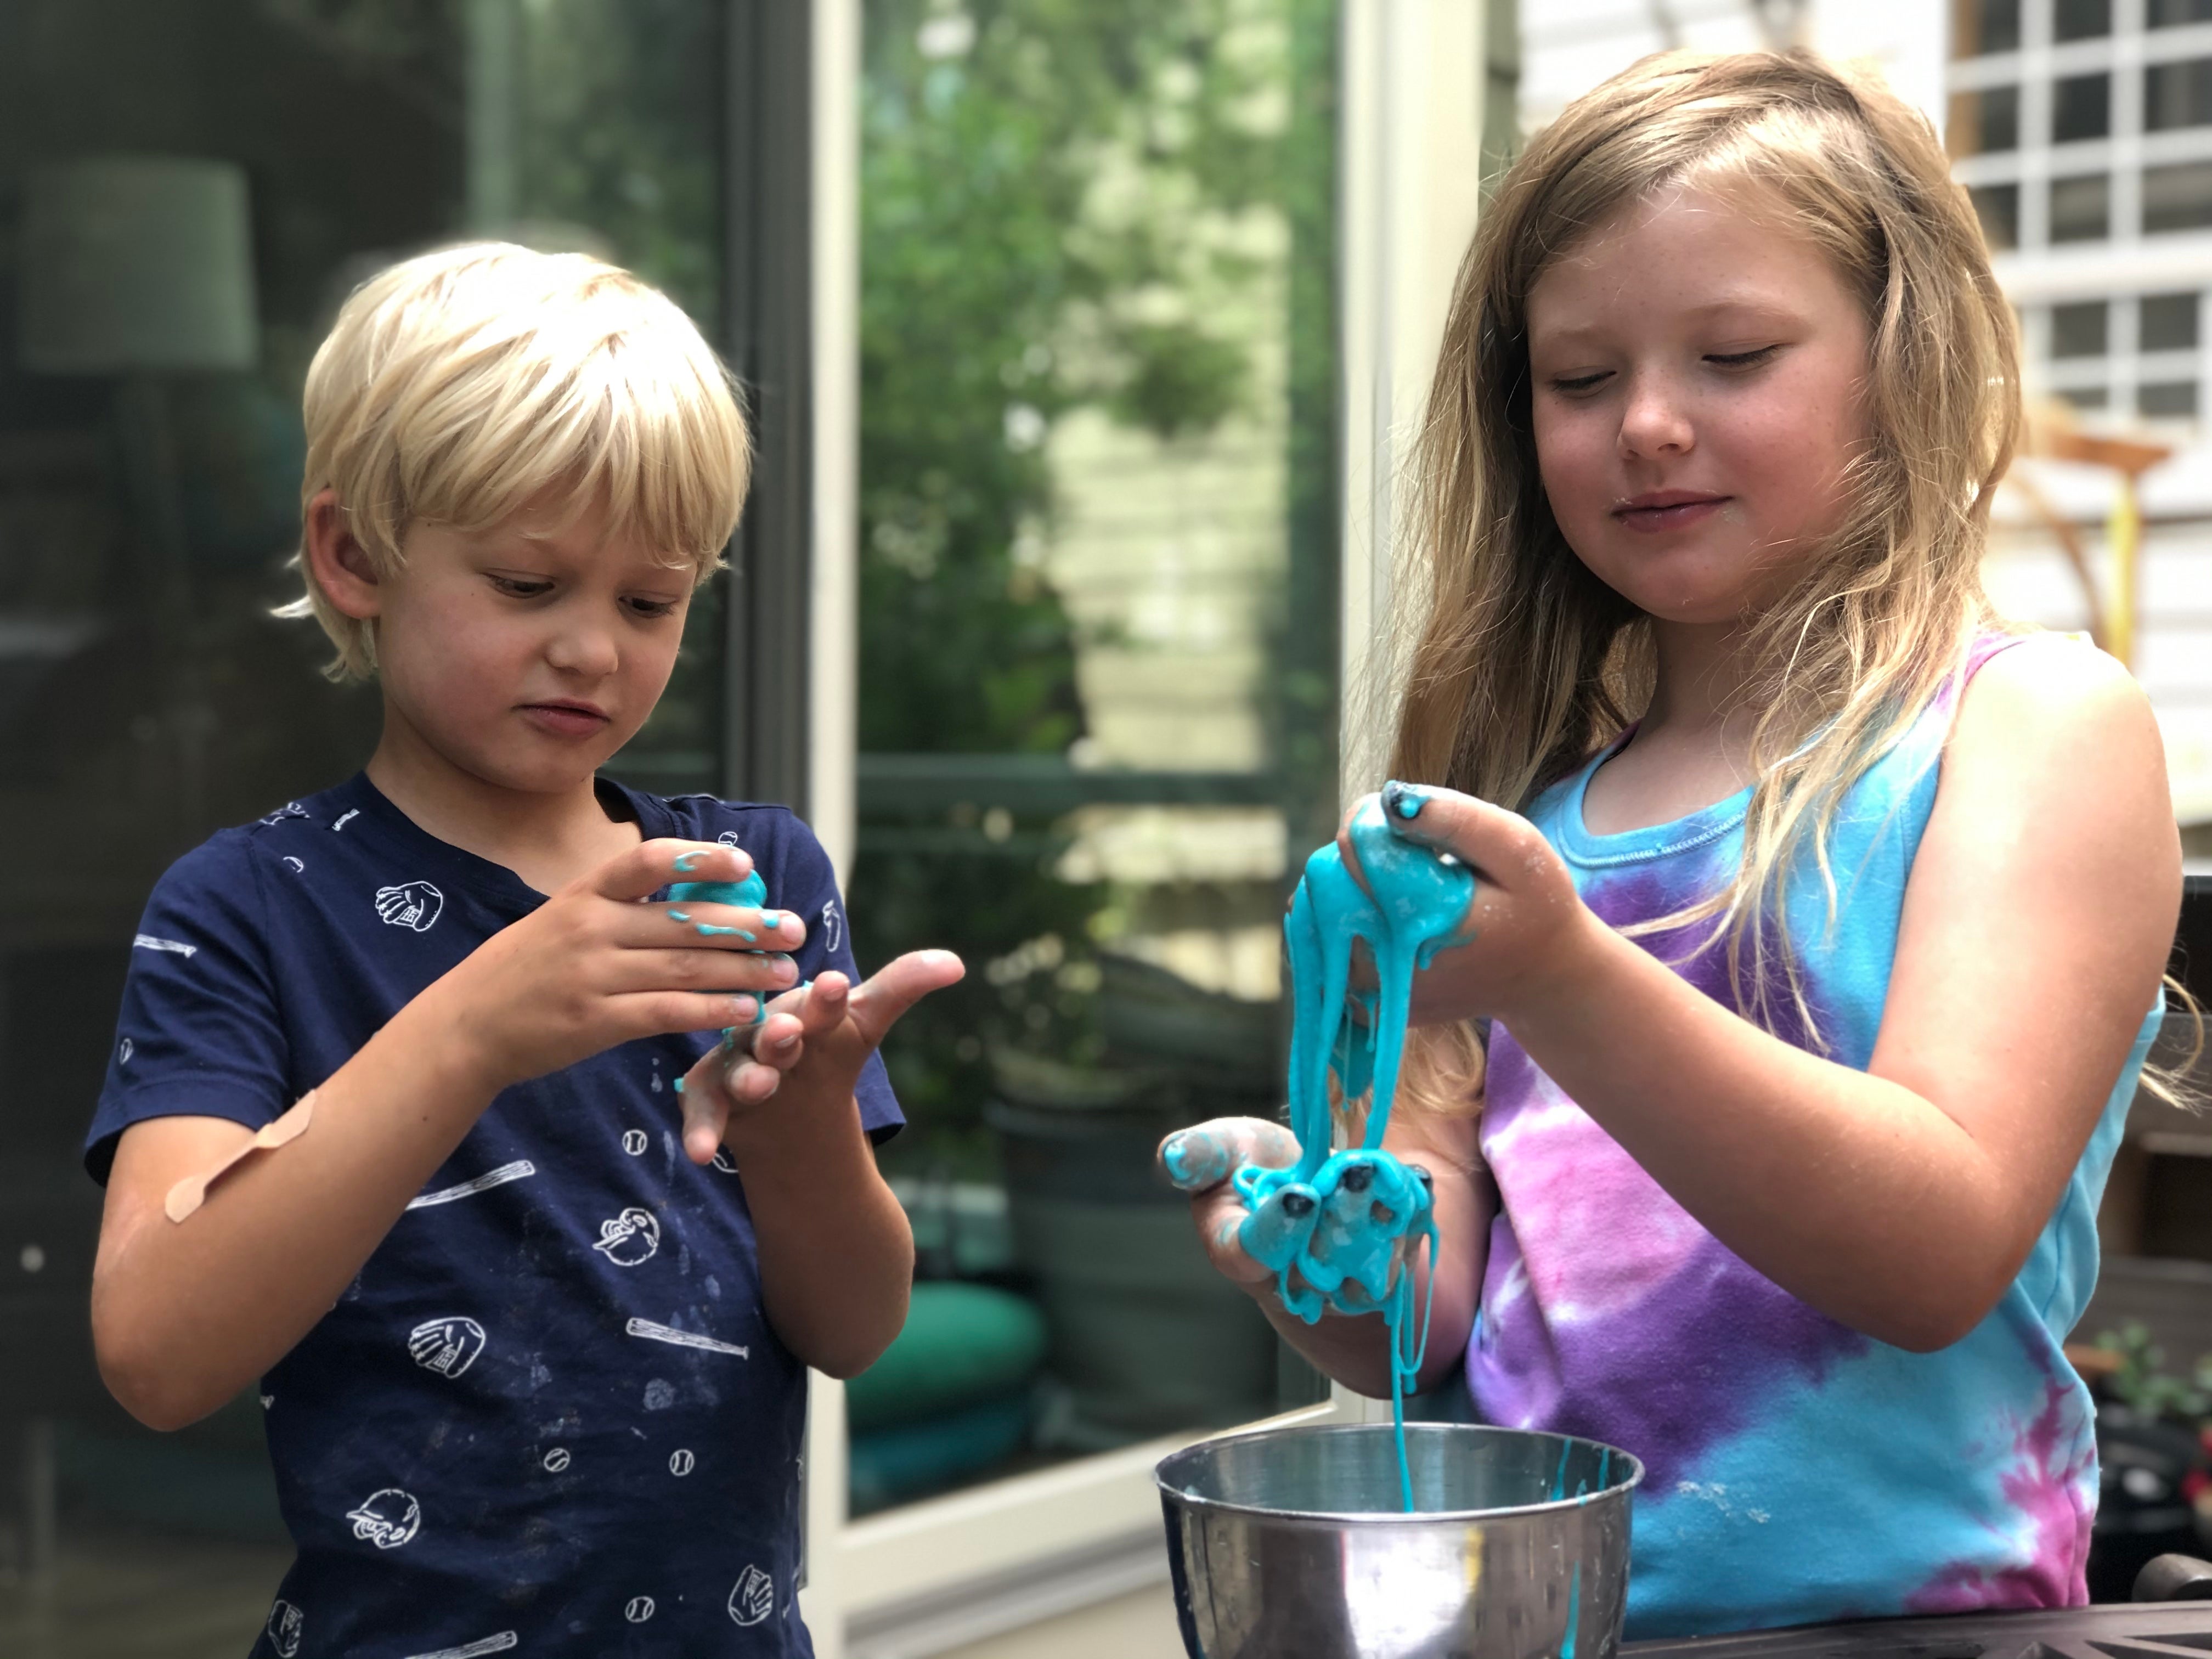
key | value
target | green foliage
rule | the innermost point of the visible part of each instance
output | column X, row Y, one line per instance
column 1044, row 188
column 2143, row 1385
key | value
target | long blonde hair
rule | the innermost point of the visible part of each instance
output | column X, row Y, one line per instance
column 1525, row 664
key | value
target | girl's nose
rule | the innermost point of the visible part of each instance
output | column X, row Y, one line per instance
column 1653, row 422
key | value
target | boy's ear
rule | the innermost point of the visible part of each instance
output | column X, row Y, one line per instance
column 341, row 564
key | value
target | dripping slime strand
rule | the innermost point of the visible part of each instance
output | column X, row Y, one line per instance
column 1344, row 1228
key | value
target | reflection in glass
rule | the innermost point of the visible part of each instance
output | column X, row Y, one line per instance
column 186, row 194
column 2078, row 329
column 1097, row 671
column 2082, row 107
column 1979, row 27
column 1985, row 122
column 2167, row 400
column 1997, row 207
column 2168, row 323
column 2081, row 208
column 2178, row 95
column 2177, row 197
column 2080, row 20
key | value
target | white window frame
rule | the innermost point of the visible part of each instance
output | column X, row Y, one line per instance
column 928, row 1576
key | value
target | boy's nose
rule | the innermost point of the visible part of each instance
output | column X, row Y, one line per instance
column 585, row 651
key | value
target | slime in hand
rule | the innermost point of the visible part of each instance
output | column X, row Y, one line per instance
column 749, row 894
column 1342, row 1229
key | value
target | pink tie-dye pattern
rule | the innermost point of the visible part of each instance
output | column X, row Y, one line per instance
column 2053, row 1469
column 1571, row 1172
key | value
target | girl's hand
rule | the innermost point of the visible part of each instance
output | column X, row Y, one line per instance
column 594, row 966
column 1527, row 928
column 1200, row 1161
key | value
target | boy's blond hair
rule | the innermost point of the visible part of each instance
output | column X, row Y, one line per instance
column 459, row 387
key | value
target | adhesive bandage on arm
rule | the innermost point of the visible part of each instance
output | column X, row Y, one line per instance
column 188, row 1195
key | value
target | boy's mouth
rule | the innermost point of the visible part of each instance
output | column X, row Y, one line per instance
column 1668, row 509
column 566, row 718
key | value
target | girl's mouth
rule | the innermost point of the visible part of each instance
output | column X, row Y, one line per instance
column 1668, row 509
column 565, row 718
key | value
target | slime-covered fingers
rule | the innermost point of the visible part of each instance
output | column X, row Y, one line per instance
column 1343, row 1229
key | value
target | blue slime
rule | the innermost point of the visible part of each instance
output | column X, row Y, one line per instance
column 1343, row 1227
column 748, row 895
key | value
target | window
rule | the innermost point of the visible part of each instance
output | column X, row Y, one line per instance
column 2081, row 208
column 1096, row 673
column 2167, row 400
column 303, row 145
column 2177, row 197
column 2082, row 20
column 2178, row 95
column 2078, row 330
column 1985, row 122
column 1979, row 27
column 2084, row 397
column 2082, row 107
column 1997, row 206
column 2167, row 323
column 2173, row 14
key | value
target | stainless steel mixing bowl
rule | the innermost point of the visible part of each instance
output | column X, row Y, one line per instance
column 1290, row 1544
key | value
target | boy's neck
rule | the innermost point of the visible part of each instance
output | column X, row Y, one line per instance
column 547, row 838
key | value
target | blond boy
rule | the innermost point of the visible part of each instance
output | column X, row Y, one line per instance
column 531, row 1379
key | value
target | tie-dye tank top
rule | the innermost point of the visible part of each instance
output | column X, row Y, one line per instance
column 1797, row 1470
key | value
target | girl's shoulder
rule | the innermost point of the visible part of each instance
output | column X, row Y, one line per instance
column 2023, row 685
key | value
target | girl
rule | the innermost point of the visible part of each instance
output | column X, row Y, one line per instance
column 1820, row 952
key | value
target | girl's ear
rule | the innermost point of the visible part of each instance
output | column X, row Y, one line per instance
column 340, row 564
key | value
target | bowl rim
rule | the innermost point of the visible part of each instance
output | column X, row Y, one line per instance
column 1175, row 1496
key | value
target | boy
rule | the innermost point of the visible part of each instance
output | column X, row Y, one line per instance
column 531, row 1380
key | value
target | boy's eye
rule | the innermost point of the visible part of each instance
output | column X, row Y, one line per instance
column 649, row 608
column 1742, row 359
column 518, row 587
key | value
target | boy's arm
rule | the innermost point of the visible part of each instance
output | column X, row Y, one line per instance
column 837, row 1256
column 185, row 1314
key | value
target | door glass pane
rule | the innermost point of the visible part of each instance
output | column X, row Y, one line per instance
column 2081, row 208
column 2082, row 107
column 234, row 167
column 1096, row 678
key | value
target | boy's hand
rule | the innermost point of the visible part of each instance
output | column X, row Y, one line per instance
column 594, row 966
column 831, row 1025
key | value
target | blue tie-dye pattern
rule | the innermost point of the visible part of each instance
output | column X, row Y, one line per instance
column 1798, row 1470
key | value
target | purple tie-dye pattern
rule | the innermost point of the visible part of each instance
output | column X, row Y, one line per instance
column 1897, row 1482
column 1634, row 1324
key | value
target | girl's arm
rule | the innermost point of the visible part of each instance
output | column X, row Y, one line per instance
column 1355, row 1350
column 185, row 1314
column 1903, row 1199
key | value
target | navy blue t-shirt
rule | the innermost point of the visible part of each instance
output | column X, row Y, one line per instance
column 549, row 1415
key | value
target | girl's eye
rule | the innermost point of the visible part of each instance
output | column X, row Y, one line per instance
column 1742, row 359
column 1573, row 383
column 516, row 588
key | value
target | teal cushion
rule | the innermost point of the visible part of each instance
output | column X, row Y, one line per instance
column 891, row 1465
column 962, row 1344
